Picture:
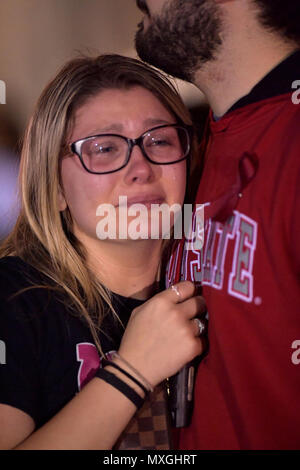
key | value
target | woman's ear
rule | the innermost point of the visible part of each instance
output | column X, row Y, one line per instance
column 62, row 204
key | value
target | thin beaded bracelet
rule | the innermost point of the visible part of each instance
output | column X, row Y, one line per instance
column 136, row 372
column 117, row 383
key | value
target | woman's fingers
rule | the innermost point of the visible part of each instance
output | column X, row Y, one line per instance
column 180, row 292
column 199, row 326
column 194, row 307
column 183, row 293
column 164, row 327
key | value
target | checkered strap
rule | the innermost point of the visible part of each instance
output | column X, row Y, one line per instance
column 150, row 427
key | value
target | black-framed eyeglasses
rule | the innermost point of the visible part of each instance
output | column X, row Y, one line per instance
column 107, row 153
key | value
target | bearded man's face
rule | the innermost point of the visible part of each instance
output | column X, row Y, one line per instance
column 179, row 36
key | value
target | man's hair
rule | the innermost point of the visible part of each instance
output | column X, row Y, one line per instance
column 282, row 16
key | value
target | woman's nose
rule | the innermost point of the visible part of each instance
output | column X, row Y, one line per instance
column 139, row 169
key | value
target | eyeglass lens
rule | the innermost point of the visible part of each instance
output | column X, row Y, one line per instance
column 106, row 153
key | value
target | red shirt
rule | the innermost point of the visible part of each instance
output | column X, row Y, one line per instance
column 248, row 386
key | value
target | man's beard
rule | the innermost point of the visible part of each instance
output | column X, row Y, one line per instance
column 185, row 36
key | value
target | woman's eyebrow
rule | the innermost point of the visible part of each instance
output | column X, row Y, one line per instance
column 119, row 127
column 151, row 122
column 116, row 127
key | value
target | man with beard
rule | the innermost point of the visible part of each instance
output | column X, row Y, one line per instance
column 244, row 55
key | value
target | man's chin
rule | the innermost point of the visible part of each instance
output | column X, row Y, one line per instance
column 143, row 48
column 150, row 56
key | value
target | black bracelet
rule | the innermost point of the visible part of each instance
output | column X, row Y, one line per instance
column 105, row 363
column 117, row 383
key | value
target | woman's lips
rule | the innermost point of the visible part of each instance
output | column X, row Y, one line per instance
column 147, row 201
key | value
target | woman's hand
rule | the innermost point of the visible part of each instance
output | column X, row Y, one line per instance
column 161, row 336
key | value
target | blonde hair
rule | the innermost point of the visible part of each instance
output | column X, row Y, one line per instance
column 43, row 237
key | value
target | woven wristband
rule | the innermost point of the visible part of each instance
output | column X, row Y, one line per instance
column 117, row 383
column 105, row 363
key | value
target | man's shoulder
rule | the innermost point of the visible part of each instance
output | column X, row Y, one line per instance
column 280, row 117
column 293, row 118
column 286, row 128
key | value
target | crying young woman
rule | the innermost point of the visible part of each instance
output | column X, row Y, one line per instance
column 87, row 330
